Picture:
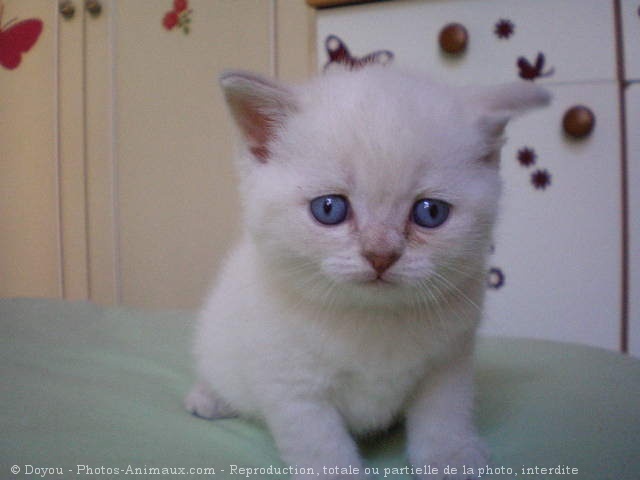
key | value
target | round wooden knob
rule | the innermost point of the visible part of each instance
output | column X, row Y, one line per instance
column 67, row 9
column 94, row 7
column 453, row 39
column 578, row 121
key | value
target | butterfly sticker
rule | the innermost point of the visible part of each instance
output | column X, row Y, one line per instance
column 339, row 54
column 531, row 72
column 16, row 39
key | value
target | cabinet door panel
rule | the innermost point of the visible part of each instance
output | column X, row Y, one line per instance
column 573, row 50
column 30, row 251
column 559, row 247
column 633, row 182
column 177, row 205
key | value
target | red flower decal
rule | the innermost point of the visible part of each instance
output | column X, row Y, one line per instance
column 170, row 20
column 179, row 6
column 179, row 17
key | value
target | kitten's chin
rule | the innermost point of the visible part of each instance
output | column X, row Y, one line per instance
column 380, row 292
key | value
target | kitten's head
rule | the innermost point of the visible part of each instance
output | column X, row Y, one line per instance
column 374, row 187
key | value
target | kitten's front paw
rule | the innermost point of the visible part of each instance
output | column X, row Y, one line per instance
column 201, row 402
column 455, row 459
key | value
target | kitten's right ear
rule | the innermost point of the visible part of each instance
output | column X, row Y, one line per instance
column 498, row 104
column 259, row 107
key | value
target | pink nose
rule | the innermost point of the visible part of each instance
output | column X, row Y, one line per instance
column 381, row 261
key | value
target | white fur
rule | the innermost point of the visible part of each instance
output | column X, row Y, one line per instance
column 297, row 331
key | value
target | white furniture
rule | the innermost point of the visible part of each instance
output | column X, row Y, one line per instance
column 565, row 263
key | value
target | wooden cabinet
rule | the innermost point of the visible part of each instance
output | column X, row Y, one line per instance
column 116, row 182
column 559, row 263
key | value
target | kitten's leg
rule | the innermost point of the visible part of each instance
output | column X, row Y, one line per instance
column 440, row 427
column 202, row 402
column 312, row 434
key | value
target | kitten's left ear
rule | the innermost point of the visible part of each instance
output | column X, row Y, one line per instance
column 498, row 104
column 259, row 107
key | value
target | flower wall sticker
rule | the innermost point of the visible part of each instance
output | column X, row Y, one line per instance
column 527, row 156
column 541, row 179
column 504, row 28
column 16, row 39
column 179, row 17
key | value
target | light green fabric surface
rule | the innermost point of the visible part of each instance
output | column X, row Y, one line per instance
column 83, row 385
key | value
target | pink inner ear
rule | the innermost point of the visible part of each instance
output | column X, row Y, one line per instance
column 261, row 153
column 258, row 130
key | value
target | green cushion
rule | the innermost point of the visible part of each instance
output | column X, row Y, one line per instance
column 102, row 388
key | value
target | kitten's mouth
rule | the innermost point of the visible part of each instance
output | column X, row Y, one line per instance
column 379, row 281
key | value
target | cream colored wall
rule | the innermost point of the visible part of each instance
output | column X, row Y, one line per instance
column 116, row 180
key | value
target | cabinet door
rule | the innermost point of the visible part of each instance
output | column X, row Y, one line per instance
column 633, row 182
column 30, row 250
column 177, row 209
column 500, row 33
column 116, row 181
column 557, row 252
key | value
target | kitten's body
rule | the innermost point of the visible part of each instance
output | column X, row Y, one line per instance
column 322, row 330
column 349, row 357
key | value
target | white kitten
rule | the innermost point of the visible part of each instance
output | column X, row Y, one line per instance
column 353, row 298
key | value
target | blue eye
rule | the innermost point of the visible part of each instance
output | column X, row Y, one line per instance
column 430, row 213
column 330, row 209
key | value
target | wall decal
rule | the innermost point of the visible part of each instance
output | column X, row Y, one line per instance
column 527, row 156
column 527, row 71
column 495, row 278
column 339, row 54
column 179, row 17
column 17, row 39
column 541, row 179
column 504, row 28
